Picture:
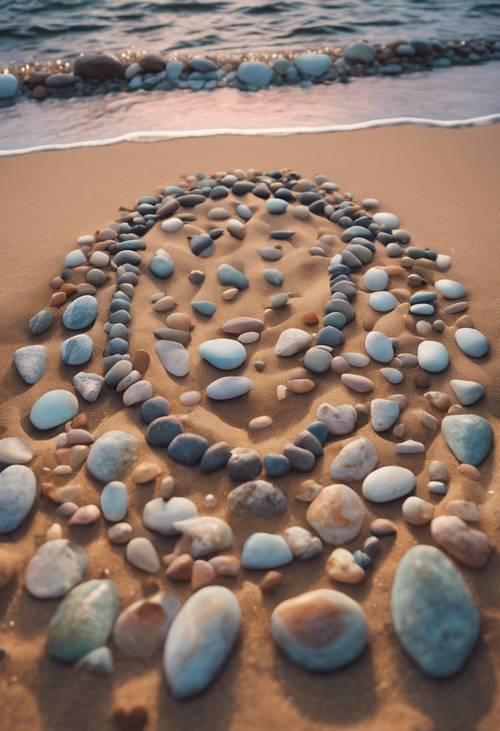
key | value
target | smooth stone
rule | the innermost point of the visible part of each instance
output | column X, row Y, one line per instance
column 313, row 64
column 229, row 387
column 342, row 566
column 75, row 258
column 207, row 534
column 9, row 86
column 88, row 385
column 30, row 362
column 450, row 289
column 274, row 277
column 433, row 613
column 80, row 313
column 320, row 630
column 432, row 356
column 383, row 414
column 382, row 301
column 120, row 533
column 276, row 465
column 375, row 279
column 223, row 353
column 172, row 225
column 379, row 347
column 240, row 325
column 229, row 276
column 255, row 73
column 471, row 342
column 40, row 322
column 354, row 461
column 98, row 662
column 468, row 392
column 339, row 419
column 141, row 553
column 111, row 455
column 187, row 449
column 162, row 264
column 388, row 483
column 154, row 408
column 83, row 621
column 142, row 627
column 17, row 495
column 468, row 545
column 244, row 464
column 292, row 341
column 417, row 511
column 360, row 52
column 204, row 307
column 200, row 640
column 265, row 551
column 389, row 220
column 114, row 501
column 216, row 457
column 317, row 360
column 55, row 568
column 76, row 350
column 302, row 543
column 14, row 450
column 392, row 375
column 336, row 514
column 174, row 357
column 301, row 460
column 257, row 498
column 360, row 384
column 276, row 206
column 470, row 437
column 163, row 430
column 160, row 515
column 53, row 409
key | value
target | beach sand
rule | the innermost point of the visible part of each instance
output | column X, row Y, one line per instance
column 443, row 184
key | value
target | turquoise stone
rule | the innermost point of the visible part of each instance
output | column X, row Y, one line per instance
column 433, row 613
column 223, row 353
column 204, row 307
column 232, row 277
column 84, row 620
column 468, row 436
column 162, row 264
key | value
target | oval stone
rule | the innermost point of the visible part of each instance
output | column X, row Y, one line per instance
column 336, row 514
column 354, row 461
column 223, row 353
column 229, row 387
column 53, row 409
column 80, row 313
column 379, row 347
column 388, row 483
column 472, row 342
column 111, row 455
column 17, row 495
column 470, row 437
column 55, row 568
column 466, row 544
column 265, row 551
column 432, row 356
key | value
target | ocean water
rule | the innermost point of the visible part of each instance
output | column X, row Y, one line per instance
column 40, row 29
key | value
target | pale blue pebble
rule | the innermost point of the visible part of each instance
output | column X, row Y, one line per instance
column 470, row 437
column 80, row 313
column 423, row 309
column 17, row 495
column 255, row 73
column 472, row 342
column 53, row 409
column 313, row 64
column 75, row 258
column 274, row 277
column 232, row 277
column 9, row 86
column 468, row 392
column 162, row 264
column 382, row 301
column 265, row 551
column 276, row 206
column 98, row 661
column 223, row 353
column 30, row 362
column 450, row 289
column 204, row 307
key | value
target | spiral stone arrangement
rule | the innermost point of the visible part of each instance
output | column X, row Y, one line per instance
column 371, row 359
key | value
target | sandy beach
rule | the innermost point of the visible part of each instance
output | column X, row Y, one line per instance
column 443, row 184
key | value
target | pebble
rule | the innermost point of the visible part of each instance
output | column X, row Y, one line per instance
column 468, row 392
column 265, row 551
column 471, row 342
column 137, row 393
column 141, row 553
column 163, row 430
column 229, row 276
column 464, row 509
column 83, row 621
column 80, row 313
column 383, row 414
column 438, row 400
column 120, row 533
column 223, row 353
column 379, row 347
column 187, row 449
column 313, row 64
column 302, row 543
column 417, row 511
column 436, row 487
column 174, row 357
column 142, row 627
column 469, row 437
column 468, row 545
column 320, row 630
column 244, row 464
column 382, row 301
column 359, row 384
column 382, row 527
column 88, row 385
column 154, row 408
column 257, row 498
column 76, row 350
column 432, row 356
column 336, row 514
column 433, row 612
column 56, row 567
column 392, row 375
column 14, row 450
column 111, row 455
column 162, row 264
column 388, row 483
column 40, row 322
column 276, row 465
column 292, row 341
column 271, row 580
column 375, row 279
column 342, row 566
column 450, row 289
column 229, row 387
column 53, row 409
column 98, row 662
column 85, row 515
column 164, row 304
column 354, row 461
column 200, row 640
column 276, row 206
column 255, row 73
column 339, row 419
column 160, row 515
column 207, row 534
column 410, row 446
column 114, row 501
column 30, row 362
column 181, row 568
column 190, row 398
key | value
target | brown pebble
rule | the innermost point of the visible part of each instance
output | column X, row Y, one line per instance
column 455, row 307
column 468, row 470
column 80, row 421
column 181, row 568
column 141, row 361
column 57, row 299
column 369, row 323
column 382, row 527
column 463, row 509
column 259, row 366
column 270, row 581
column 56, row 282
column 203, row 574
column 226, row 565
column 145, row 472
column 456, row 409
column 466, row 544
column 310, row 318
column 69, row 289
column 133, row 720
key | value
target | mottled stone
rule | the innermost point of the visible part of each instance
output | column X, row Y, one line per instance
column 336, row 514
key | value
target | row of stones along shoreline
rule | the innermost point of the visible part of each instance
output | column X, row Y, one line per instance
column 132, row 70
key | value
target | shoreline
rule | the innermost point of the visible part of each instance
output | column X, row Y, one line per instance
column 442, row 183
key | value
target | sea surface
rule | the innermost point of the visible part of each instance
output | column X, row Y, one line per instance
column 39, row 29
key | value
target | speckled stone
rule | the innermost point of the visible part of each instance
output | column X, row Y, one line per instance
column 257, row 498
column 388, row 483
column 111, row 455
column 336, row 514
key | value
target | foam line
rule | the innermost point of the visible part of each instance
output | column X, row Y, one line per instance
column 158, row 135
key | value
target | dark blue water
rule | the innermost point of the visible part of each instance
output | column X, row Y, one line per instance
column 42, row 29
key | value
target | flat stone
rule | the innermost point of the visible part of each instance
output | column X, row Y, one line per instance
column 53, row 409
column 388, row 483
column 468, row 545
column 142, row 627
column 432, row 356
column 111, row 455
column 471, row 342
column 336, row 514
column 450, row 289
column 30, row 362
column 382, row 301
column 160, row 515
column 433, row 612
column 223, row 353
column 320, row 630
column 40, row 322
column 257, row 498
column 163, row 430
column 83, row 621
column 357, row 383
column 383, row 414
column 55, row 568
column 354, row 461
column 76, row 350
column 200, row 640
column 265, row 551
column 80, row 313
column 469, row 437
column 229, row 387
